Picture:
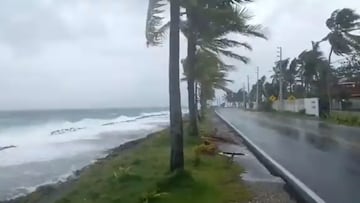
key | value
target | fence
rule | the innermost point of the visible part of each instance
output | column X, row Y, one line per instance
column 309, row 105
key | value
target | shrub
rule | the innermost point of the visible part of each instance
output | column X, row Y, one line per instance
column 251, row 105
column 125, row 174
column 151, row 196
column 205, row 149
column 266, row 106
column 302, row 111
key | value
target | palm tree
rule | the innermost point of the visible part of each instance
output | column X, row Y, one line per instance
column 260, row 83
column 270, row 89
column 314, row 68
column 291, row 74
column 210, row 73
column 176, row 128
column 342, row 23
column 350, row 69
column 308, row 62
column 207, row 24
column 280, row 70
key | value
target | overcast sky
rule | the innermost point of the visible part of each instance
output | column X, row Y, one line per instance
column 92, row 53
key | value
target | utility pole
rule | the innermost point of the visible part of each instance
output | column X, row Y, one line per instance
column 248, row 87
column 257, row 87
column 281, row 97
column 244, row 95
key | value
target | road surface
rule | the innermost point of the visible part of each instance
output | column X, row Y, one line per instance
column 324, row 157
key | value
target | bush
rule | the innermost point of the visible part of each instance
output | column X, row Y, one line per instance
column 346, row 105
column 302, row 111
column 125, row 174
column 265, row 106
column 324, row 107
column 205, row 149
column 251, row 105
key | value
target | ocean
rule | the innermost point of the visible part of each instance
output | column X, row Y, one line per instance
column 48, row 146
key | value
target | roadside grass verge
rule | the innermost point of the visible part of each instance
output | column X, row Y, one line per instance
column 140, row 175
column 347, row 119
column 337, row 118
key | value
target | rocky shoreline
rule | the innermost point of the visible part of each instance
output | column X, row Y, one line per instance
column 53, row 192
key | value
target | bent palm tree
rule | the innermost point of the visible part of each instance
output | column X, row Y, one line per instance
column 341, row 38
column 314, row 67
column 211, row 74
column 208, row 23
column 342, row 23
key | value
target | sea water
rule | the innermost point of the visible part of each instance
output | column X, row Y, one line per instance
column 51, row 144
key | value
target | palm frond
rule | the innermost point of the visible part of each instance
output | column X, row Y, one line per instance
column 231, row 54
column 227, row 67
column 237, row 22
column 342, row 23
column 347, row 19
column 224, row 43
column 154, row 32
column 339, row 44
column 254, row 30
column 354, row 41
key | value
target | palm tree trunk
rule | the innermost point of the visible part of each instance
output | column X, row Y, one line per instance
column 191, row 51
column 176, row 128
column 202, row 104
column 328, row 81
column 196, row 100
column 192, row 107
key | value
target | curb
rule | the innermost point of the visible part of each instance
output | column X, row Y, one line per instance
column 299, row 187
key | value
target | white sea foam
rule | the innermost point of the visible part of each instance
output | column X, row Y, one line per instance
column 37, row 143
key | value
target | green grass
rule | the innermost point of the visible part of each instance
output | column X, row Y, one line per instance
column 141, row 175
column 344, row 119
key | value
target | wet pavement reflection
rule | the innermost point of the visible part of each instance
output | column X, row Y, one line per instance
column 321, row 142
column 325, row 157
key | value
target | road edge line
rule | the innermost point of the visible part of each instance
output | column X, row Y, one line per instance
column 299, row 187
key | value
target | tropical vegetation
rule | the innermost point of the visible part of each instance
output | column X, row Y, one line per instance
column 139, row 175
column 206, row 27
column 311, row 74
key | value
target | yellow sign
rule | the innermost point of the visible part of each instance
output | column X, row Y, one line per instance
column 291, row 98
column 273, row 98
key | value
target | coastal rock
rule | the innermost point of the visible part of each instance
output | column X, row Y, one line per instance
column 63, row 131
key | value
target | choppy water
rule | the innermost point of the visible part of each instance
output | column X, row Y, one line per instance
column 51, row 145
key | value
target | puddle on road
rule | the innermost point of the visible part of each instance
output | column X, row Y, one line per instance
column 254, row 170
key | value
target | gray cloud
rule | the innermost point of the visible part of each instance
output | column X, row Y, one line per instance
column 291, row 24
column 90, row 53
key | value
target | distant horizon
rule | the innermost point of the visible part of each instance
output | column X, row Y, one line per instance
column 95, row 108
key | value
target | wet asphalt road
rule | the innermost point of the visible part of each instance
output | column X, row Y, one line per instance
column 324, row 157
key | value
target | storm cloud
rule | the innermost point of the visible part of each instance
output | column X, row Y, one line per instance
column 92, row 54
